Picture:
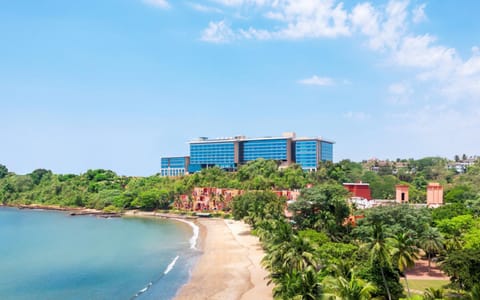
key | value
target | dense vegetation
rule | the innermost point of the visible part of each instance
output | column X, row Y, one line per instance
column 317, row 254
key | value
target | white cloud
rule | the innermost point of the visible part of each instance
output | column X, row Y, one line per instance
column 258, row 34
column 299, row 18
column 420, row 51
column 365, row 18
column 218, row 32
column 158, row 3
column 316, row 80
column 419, row 14
column 205, row 9
column 244, row 2
column 386, row 28
column 400, row 93
column 356, row 115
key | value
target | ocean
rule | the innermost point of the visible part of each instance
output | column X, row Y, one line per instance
column 51, row 255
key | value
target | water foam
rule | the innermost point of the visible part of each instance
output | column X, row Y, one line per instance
column 196, row 230
column 143, row 290
column 170, row 266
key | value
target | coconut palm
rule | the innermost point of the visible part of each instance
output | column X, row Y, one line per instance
column 431, row 242
column 380, row 252
column 404, row 253
column 475, row 292
column 433, row 294
column 351, row 288
column 293, row 268
column 294, row 254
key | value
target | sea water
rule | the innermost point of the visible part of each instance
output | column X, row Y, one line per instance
column 51, row 255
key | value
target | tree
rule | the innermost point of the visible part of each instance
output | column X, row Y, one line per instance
column 463, row 267
column 404, row 253
column 379, row 252
column 148, row 200
column 432, row 243
column 322, row 207
column 351, row 288
column 3, row 171
column 256, row 206
column 293, row 267
column 39, row 174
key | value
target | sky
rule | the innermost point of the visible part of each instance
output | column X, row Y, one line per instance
column 117, row 84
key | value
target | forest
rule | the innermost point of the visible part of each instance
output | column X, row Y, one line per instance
column 316, row 254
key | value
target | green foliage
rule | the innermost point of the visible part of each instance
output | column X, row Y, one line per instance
column 152, row 199
column 40, row 174
column 323, row 207
column 316, row 243
column 433, row 294
column 449, row 211
column 459, row 194
column 257, row 206
column 472, row 238
column 3, row 171
column 350, row 288
column 463, row 267
column 456, row 225
column 398, row 218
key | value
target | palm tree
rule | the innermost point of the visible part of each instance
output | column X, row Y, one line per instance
column 351, row 288
column 475, row 292
column 380, row 252
column 293, row 268
column 294, row 254
column 433, row 294
column 404, row 253
column 431, row 242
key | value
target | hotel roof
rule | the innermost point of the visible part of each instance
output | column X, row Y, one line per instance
column 202, row 140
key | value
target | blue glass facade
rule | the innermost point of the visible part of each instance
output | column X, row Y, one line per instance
column 205, row 155
column 326, row 151
column 275, row 149
column 173, row 166
column 229, row 153
column 307, row 154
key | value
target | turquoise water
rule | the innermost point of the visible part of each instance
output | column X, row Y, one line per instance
column 51, row 255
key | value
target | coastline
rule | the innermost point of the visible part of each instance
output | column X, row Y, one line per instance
column 73, row 211
column 229, row 267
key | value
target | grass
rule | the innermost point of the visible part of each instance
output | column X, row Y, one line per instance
column 417, row 285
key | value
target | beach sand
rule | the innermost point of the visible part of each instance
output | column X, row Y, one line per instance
column 229, row 267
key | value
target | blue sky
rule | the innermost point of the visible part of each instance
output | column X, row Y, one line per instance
column 117, row 84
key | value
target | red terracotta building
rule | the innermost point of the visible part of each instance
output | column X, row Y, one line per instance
column 359, row 189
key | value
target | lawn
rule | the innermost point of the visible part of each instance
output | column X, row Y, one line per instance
column 417, row 285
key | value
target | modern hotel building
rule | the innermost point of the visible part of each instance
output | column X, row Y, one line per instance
column 229, row 153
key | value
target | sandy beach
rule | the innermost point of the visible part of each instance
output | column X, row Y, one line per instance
column 229, row 267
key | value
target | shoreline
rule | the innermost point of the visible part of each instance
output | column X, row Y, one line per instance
column 229, row 267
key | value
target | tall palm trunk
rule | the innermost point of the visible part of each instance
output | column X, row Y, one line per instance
column 406, row 283
column 385, row 283
column 429, row 262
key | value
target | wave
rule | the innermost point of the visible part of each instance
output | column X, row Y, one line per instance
column 167, row 270
column 170, row 266
column 143, row 290
column 196, row 230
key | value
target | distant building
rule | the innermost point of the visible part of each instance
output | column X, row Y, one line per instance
column 434, row 194
column 230, row 153
column 174, row 166
column 461, row 166
column 359, row 189
column 401, row 191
